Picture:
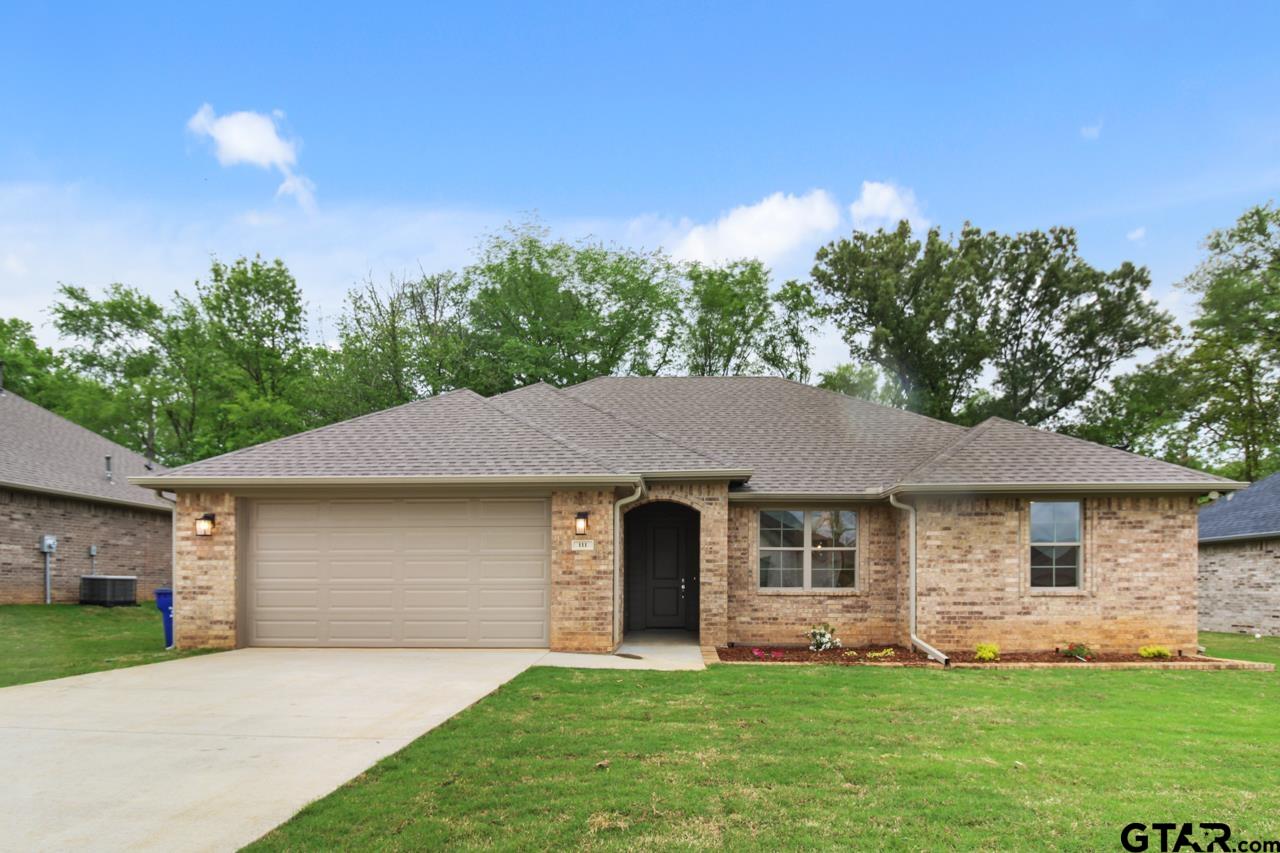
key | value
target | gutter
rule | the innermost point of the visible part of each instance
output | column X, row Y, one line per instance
column 1239, row 537
column 640, row 492
column 985, row 488
column 88, row 498
column 911, row 583
column 472, row 480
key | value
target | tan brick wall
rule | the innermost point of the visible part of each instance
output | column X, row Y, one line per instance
column 1240, row 586
column 582, row 582
column 875, row 613
column 711, row 500
column 1138, row 586
column 204, row 578
column 130, row 542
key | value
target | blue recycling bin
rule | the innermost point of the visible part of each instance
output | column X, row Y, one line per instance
column 164, row 603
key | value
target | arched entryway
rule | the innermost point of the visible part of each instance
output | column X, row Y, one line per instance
column 661, row 567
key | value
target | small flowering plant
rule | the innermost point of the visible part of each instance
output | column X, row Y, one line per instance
column 822, row 637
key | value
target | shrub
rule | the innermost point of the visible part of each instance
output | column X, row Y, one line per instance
column 1078, row 650
column 986, row 652
column 880, row 655
column 822, row 637
column 1155, row 652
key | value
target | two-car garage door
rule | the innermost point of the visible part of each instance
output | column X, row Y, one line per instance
column 398, row 572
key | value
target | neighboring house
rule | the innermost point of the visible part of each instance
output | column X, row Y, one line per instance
column 1240, row 560
column 55, row 480
column 745, row 509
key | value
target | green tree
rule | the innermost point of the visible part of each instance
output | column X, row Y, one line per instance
column 1024, row 312
column 400, row 343
column 1234, row 353
column 865, row 381
column 1059, row 326
column 1213, row 399
column 551, row 311
column 203, row 376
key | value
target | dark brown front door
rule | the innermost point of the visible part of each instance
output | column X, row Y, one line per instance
column 662, row 567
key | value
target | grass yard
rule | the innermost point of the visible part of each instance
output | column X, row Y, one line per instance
column 38, row 642
column 825, row 757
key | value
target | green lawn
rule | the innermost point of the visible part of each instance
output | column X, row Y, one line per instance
column 826, row 757
column 39, row 642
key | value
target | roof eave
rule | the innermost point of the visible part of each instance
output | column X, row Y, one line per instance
column 1239, row 537
column 471, row 480
column 739, row 474
column 945, row 488
column 81, row 496
column 805, row 497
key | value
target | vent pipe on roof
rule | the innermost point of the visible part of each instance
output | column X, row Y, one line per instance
column 109, row 475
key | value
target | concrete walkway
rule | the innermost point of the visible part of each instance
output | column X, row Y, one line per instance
column 209, row 753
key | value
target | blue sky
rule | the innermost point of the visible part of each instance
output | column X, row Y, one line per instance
column 400, row 135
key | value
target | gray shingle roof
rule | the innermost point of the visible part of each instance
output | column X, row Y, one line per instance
column 625, row 445
column 792, row 439
column 1249, row 514
column 42, row 452
column 795, row 438
column 459, row 434
column 1000, row 452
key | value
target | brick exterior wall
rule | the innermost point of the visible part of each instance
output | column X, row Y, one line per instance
column 874, row 613
column 1139, row 576
column 582, row 582
column 204, row 578
column 711, row 500
column 130, row 542
column 1240, row 586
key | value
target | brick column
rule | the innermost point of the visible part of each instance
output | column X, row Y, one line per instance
column 582, row 594
column 204, row 573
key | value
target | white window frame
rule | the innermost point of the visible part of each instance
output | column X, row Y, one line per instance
column 1078, row 544
column 807, row 550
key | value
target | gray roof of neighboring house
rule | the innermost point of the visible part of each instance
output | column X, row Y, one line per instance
column 1253, row 513
column 42, row 452
column 771, row 436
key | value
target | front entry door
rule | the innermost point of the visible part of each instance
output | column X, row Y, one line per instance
column 662, row 567
column 669, row 575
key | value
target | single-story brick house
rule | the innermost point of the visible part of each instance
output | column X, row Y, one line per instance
column 1240, row 560
column 745, row 509
column 59, row 479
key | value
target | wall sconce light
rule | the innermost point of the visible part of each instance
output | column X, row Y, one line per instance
column 204, row 524
column 580, row 524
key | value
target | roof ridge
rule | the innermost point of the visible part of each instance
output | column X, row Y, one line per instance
column 950, row 449
column 554, row 436
column 863, row 400
column 629, row 422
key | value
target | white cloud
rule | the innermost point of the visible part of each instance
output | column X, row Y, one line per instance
column 254, row 138
column 1137, row 235
column 1091, row 131
column 884, row 205
column 771, row 229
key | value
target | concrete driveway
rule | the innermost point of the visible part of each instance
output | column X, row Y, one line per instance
column 209, row 753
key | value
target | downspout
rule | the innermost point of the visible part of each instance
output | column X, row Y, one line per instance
column 640, row 491
column 911, row 582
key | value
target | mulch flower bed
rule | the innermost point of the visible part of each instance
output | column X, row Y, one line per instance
column 844, row 657
column 1056, row 657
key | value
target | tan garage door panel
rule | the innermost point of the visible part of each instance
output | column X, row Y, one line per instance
column 398, row 572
